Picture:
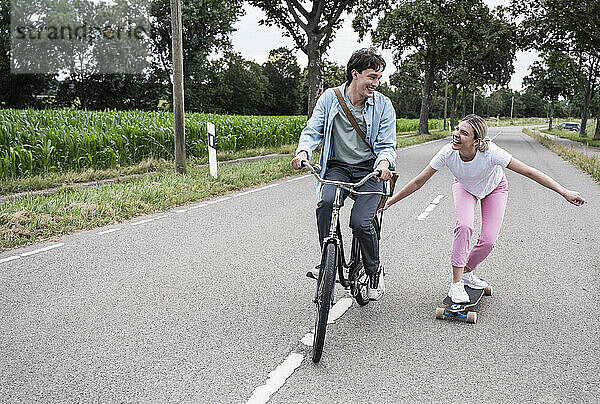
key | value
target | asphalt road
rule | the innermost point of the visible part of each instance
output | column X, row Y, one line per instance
column 201, row 303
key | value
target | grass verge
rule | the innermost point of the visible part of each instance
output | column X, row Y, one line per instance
column 589, row 164
column 37, row 218
column 56, row 179
column 405, row 141
column 574, row 136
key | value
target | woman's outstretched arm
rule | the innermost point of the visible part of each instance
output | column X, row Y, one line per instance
column 543, row 179
column 411, row 187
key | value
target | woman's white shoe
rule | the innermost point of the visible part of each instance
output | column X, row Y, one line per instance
column 458, row 294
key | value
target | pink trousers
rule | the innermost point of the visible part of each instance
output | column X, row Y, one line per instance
column 492, row 214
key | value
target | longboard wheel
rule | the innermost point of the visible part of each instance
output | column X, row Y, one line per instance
column 439, row 313
column 488, row 291
column 471, row 317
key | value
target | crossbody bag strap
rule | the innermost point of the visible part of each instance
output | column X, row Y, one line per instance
column 351, row 118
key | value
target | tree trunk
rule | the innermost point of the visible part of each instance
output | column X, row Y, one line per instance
column 597, row 132
column 587, row 97
column 426, row 97
column 550, row 115
column 453, row 106
column 464, row 103
column 315, row 76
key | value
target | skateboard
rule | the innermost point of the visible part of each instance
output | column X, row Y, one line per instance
column 461, row 310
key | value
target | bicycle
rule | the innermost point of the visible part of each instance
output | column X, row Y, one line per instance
column 351, row 274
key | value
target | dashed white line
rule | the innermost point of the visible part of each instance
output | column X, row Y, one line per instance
column 278, row 376
column 299, row 178
column 256, row 190
column 218, row 200
column 430, row 207
column 39, row 250
column 276, row 379
column 11, row 258
column 148, row 220
column 496, row 135
column 107, row 231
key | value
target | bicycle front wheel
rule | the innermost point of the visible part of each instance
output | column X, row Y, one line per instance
column 324, row 298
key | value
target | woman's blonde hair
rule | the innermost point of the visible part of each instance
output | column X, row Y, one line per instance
column 479, row 129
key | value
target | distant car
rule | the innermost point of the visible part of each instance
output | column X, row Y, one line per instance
column 573, row 126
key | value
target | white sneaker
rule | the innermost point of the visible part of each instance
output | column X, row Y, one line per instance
column 457, row 293
column 376, row 285
column 314, row 272
column 473, row 281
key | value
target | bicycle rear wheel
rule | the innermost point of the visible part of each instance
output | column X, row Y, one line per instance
column 324, row 298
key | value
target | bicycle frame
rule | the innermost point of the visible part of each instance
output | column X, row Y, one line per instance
column 335, row 234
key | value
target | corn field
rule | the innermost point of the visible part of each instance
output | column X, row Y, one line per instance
column 36, row 142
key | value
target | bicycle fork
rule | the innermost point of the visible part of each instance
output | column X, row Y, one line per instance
column 331, row 239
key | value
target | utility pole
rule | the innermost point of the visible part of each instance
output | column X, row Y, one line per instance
column 473, row 102
column 178, row 107
column 446, row 98
column 512, row 103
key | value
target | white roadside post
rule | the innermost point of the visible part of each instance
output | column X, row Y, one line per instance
column 212, row 149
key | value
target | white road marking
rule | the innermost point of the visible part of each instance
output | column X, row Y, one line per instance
column 430, row 207
column 496, row 135
column 107, row 231
column 255, row 190
column 148, row 220
column 421, row 144
column 39, row 250
column 197, row 206
column 181, row 210
column 218, row 200
column 276, row 379
column 11, row 258
column 299, row 178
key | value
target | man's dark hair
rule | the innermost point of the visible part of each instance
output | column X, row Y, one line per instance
column 362, row 59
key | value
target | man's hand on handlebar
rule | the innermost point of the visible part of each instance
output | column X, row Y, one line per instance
column 386, row 174
column 297, row 161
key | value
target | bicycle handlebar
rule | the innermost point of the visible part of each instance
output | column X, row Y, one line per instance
column 316, row 169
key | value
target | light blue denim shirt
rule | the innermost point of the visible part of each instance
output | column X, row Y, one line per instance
column 380, row 118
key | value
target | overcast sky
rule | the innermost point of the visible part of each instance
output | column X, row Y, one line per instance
column 254, row 42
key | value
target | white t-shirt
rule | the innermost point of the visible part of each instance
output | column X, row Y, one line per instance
column 479, row 176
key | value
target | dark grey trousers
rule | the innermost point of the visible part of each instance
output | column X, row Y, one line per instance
column 363, row 211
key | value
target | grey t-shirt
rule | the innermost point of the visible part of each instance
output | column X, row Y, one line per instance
column 348, row 147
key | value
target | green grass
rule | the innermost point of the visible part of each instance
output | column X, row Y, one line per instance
column 416, row 138
column 574, row 136
column 36, row 218
column 587, row 163
column 150, row 165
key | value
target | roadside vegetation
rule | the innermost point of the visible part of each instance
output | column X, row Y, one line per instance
column 574, row 136
column 35, row 218
column 587, row 163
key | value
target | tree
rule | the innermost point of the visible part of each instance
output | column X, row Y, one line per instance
column 333, row 76
column 16, row 90
column 207, row 26
column 485, row 55
column 552, row 78
column 435, row 34
column 312, row 31
column 283, row 73
column 571, row 26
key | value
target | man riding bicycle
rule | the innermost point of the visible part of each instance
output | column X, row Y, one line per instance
column 357, row 128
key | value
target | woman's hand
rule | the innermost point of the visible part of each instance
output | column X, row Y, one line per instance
column 574, row 197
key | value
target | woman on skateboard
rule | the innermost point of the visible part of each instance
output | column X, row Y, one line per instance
column 476, row 164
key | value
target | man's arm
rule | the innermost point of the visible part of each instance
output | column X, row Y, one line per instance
column 385, row 143
column 312, row 134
